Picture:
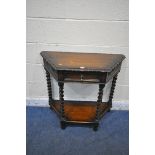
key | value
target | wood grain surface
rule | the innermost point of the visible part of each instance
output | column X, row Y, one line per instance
column 82, row 61
column 83, row 111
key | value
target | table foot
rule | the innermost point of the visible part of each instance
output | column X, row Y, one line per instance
column 109, row 110
column 63, row 125
column 95, row 127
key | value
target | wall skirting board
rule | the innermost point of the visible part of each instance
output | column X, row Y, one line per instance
column 43, row 102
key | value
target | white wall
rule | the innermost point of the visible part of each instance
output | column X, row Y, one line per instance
column 81, row 26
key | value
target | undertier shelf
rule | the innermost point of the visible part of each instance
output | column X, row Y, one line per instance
column 80, row 111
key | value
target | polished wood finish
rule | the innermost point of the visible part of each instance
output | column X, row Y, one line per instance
column 90, row 61
column 79, row 111
column 83, row 68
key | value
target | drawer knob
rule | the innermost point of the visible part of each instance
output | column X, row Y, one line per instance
column 81, row 77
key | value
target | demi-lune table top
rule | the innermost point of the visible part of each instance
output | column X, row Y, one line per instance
column 82, row 61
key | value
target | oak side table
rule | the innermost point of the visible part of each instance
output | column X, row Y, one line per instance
column 83, row 68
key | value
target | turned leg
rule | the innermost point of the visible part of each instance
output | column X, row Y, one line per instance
column 112, row 90
column 48, row 78
column 61, row 96
column 99, row 101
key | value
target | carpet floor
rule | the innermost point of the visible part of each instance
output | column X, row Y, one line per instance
column 45, row 137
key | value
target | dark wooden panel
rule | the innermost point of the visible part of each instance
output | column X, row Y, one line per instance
column 90, row 77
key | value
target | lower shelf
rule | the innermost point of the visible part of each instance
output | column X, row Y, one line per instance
column 80, row 111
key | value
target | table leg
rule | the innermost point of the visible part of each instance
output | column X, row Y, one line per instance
column 112, row 90
column 99, row 101
column 48, row 78
column 61, row 96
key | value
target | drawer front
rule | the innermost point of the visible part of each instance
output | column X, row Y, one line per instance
column 83, row 77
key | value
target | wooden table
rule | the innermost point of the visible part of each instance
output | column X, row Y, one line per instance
column 83, row 68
